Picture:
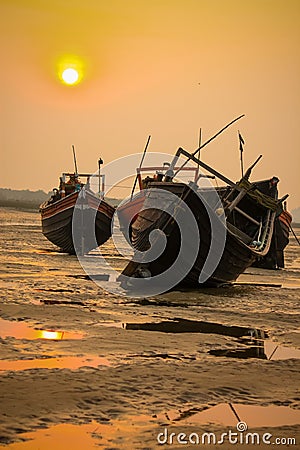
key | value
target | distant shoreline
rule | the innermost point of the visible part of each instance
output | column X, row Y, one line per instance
column 18, row 204
column 34, row 207
column 31, row 200
column 19, row 209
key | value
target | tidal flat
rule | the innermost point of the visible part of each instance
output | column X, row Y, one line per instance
column 84, row 368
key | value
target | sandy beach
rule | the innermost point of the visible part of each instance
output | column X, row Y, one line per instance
column 83, row 368
column 101, row 100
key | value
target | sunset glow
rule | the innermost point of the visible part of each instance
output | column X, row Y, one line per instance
column 70, row 76
column 149, row 68
column 70, row 70
column 56, row 335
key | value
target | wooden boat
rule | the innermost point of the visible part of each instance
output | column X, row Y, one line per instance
column 57, row 215
column 128, row 211
column 249, row 209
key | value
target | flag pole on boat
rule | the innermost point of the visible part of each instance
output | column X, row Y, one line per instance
column 75, row 162
column 242, row 143
column 141, row 163
column 100, row 161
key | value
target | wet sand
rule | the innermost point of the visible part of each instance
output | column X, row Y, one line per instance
column 83, row 367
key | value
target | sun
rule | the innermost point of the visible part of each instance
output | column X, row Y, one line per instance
column 70, row 70
column 70, row 76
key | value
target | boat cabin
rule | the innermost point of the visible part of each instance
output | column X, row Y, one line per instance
column 70, row 183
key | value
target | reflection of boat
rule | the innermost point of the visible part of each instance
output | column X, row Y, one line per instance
column 253, row 347
column 248, row 209
column 252, row 339
column 197, row 326
column 57, row 214
column 246, row 343
column 255, row 351
column 274, row 259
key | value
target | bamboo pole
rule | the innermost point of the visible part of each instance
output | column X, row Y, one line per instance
column 141, row 163
column 209, row 140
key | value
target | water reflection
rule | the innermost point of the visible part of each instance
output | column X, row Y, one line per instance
column 242, row 353
column 20, row 330
column 56, row 335
column 254, row 343
column 98, row 277
column 126, row 433
column 262, row 350
column 193, row 326
column 67, row 362
column 135, row 431
column 60, row 437
column 228, row 414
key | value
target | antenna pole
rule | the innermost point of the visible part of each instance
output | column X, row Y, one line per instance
column 242, row 142
column 100, row 161
column 75, row 162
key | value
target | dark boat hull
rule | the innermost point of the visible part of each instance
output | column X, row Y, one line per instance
column 57, row 219
column 236, row 256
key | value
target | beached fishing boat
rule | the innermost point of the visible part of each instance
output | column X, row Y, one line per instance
column 57, row 214
column 244, row 217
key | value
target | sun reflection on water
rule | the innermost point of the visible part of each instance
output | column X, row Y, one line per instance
column 21, row 330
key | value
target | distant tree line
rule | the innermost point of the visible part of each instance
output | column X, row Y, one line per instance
column 29, row 199
column 22, row 198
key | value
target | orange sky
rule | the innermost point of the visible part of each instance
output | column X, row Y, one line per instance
column 159, row 67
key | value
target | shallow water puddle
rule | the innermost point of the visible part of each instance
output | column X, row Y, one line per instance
column 254, row 340
column 116, row 434
column 21, row 330
column 230, row 414
column 59, row 437
column 66, row 362
column 96, row 277
column 193, row 326
column 53, row 290
column 263, row 350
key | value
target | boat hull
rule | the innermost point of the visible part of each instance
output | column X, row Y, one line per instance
column 236, row 256
column 57, row 220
